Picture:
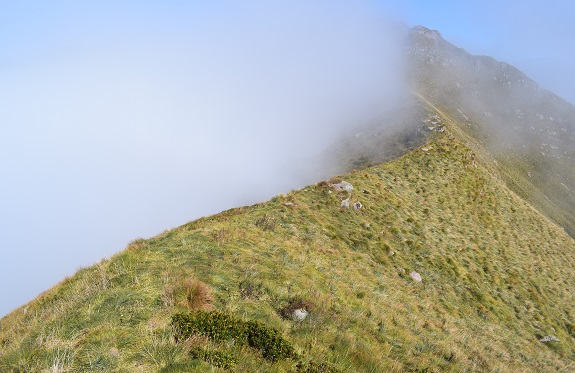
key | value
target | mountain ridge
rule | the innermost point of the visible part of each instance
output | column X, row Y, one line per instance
column 529, row 131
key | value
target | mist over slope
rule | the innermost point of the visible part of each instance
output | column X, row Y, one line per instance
column 125, row 120
column 528, row 130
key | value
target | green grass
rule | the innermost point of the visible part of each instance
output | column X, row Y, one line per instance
column 497, row 276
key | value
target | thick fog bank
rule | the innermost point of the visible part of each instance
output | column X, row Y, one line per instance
column 120, row 121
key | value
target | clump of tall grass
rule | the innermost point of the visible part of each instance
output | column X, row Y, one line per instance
column 190, row 293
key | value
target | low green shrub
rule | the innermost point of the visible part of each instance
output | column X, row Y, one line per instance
column 269, row 341
column 219, row 327
column 216, row 358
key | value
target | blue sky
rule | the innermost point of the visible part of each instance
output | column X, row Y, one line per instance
column 121, row 119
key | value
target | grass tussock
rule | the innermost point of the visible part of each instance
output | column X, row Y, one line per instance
column 189, row 293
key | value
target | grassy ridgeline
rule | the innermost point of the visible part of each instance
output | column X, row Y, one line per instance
column 496, row 278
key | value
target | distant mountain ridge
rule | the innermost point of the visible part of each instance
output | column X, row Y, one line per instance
column 528, row 130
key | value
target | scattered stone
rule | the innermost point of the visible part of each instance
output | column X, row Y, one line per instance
column 402, row 270
column 299, row 315
column 114, row 352
column 343, row 185
column 437, row 127
column 345, row 203
column 391, row 253
column 357, row 205
column 549, row 338
column 288, row 204
column 415, row 276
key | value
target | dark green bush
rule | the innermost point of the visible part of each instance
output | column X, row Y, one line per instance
column 269, row 341
column 220, row 327
column 216, row 326
column 216, row 358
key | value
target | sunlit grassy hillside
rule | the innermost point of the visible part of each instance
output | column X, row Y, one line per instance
column 497, row 282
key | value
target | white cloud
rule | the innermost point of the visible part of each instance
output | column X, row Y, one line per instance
column 140, row 121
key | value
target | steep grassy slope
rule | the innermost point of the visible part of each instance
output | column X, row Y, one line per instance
column 528, row 130
column 497, row 278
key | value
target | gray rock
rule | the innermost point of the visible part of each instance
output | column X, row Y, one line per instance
column 415, row 276
column 299, row 315
column 357, row 205
column 345, row 203
column 343, row 185
column 549, row 338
